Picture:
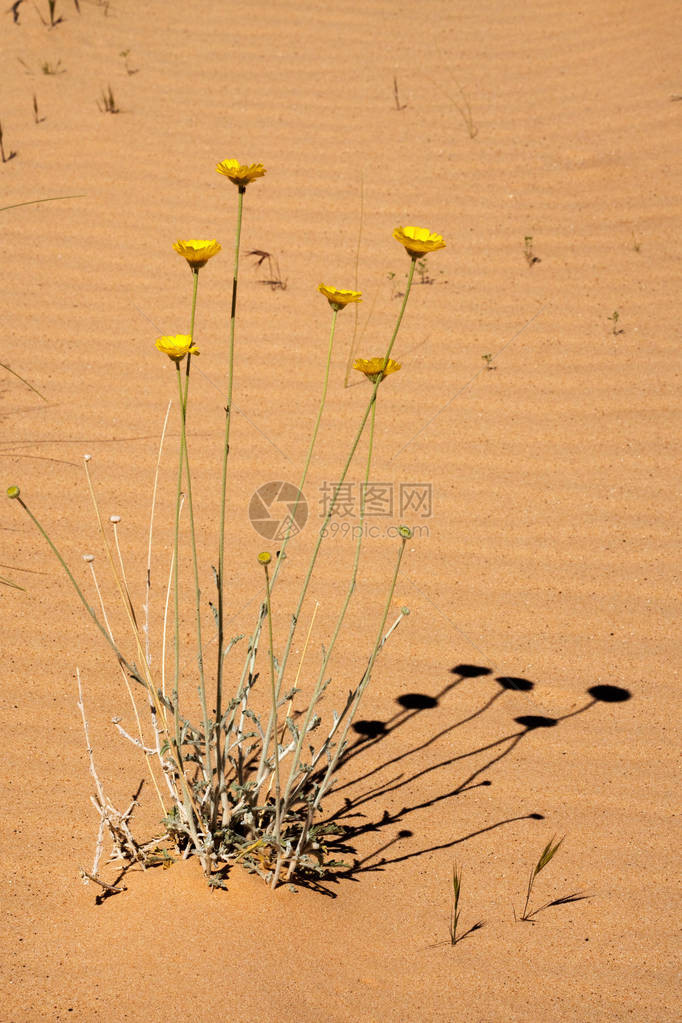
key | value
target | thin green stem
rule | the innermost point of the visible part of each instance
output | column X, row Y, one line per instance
column 304, row 475
column 335, row 495
column 223, row 493
column 132, row 671
column 378, row 643
column 195, row 285
column 176, row 578
column 208, row 769
column 274, row 697
column 342, row 614
column 408, row 287
column 313, row 439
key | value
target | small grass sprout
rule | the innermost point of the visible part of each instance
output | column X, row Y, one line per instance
column 396, row 96
column 423, row 275
column 546, row 856
column 36, row 113
column 455, row 913
column 106, row 103
column 6, row 157
column 488, row 359
column 528, row 253
column 614, row 319
column 455, row 936
column 52, row 14
column 125, row 54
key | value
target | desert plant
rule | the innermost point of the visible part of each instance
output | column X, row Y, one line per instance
column 456, row 892
column 53, row 20
column 614, row 319
column 245, row 783
column 52, row 69
column 528, row 252
column 546, row 856
column 125, row 54
column 396, row 96
column 6, row 157
column 488, row 359
column 106, row 103
column 36, row 113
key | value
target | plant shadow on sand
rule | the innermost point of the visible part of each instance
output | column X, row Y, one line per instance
column 372, row 732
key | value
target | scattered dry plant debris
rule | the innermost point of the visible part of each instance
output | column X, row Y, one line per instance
column 270, row 265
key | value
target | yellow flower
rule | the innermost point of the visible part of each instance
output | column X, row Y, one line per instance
column 241, row 174
column 338, row 297
column 177, row 347
column 196, row 252
column 418, row 241
column 376, row 369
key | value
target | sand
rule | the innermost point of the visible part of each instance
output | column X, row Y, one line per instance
column 549, row 551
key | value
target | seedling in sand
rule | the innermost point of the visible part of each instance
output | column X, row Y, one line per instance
column 488, row 359
column 423, row 271
column 130, row 70
column 6, row 157
column 422, row 276
column 528, row 253
column 107, row 103
column 455, row 912
column 396, row 97
column 36, row 115
column 614, row 318
column 546, row 856
column 46, row 67
column 51, row 9
column 52, row 69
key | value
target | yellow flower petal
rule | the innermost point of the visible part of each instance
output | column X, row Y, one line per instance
column 376, row 369
column 177, row 346
column 240, row 174
column 197, row 252
column 339, row 297
column 417, row 240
